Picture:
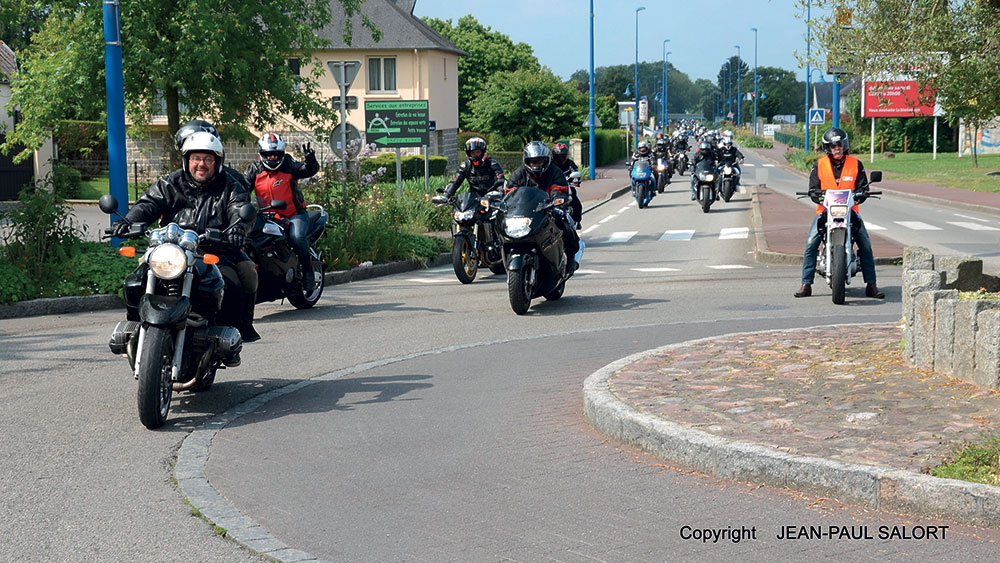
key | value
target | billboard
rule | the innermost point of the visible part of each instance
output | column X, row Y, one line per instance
column 897, row 98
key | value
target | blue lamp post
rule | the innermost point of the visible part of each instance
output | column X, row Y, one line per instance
column 754, row 30
column 666, row 89
column 591, row 117
column 808, row 70
column 637, row 10
column 729, row 88
column 739, row 102
column 663, row 98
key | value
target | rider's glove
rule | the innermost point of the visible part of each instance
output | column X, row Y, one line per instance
column 816, row 195
column 450, row 189
column 307, row 150
column 120, row 228
column 860, row 196
column 236, row 237
column 439, row 199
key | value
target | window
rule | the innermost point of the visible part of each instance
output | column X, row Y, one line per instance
column 293, row 65
column 381, row 74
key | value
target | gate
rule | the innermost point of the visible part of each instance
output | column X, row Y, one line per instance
column 13, row 177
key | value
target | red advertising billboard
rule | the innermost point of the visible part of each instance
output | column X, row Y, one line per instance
column 897, row 98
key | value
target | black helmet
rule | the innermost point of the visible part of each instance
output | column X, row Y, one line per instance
column 476, row 144
column 536, row 150
column 661, row 142
column 644, row 148
column 192, row 127
column 836, row 136
column 560, row 152
column 704, row 146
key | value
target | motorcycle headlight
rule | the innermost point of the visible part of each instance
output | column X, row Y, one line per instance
column 660, row 168
column 464, row 215
column 517, row 226
column 708, row 177
column 728, row 170
column 167, row 261
column 838, row 211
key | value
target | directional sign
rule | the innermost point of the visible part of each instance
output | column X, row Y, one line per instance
column 352, row 135
column 817, row 116
column 397, row 123
column 344, row 72
column 352, row 102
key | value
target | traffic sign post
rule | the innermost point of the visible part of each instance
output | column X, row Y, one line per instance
column 341, row 138
column 344, row 73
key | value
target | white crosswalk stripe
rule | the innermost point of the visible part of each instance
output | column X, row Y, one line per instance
column 651, row 270
column 750, row 164
column 917, row 225
column 677, row 235
column 768, row 166
column 734, row 233
column 730, row 267
column 588, row 229
column 622, row 236
column 973, row 226
column 873, row 227
column 973, row 218
column 606, row 219
column 583, row 271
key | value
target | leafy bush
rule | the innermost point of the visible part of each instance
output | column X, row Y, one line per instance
column 509, row 161
column 93, row 269
column 15, row 285
column 411, row 166
column 66, row 181
column 84, row 143
column 803, row 160
column 753, row 142
column 610, row 145
column 40, row 233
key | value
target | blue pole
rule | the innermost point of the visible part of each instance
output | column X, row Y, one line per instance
column 754, row 29
column 591, row 118
column 836, row 101
column 729, row 88
column 663, row 115
column 637, row 10
column 666, row 90
column 739, row 102
column 805, row 123
column 114, row 83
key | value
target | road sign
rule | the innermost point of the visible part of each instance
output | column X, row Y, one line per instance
column 352, row 102
column 400, row 123
column 817, row 116
column 643, row 110
column 344, row 72
column 597, row 121
column 352, row 135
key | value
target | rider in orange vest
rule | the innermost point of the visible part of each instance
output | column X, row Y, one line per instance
column 838, row 170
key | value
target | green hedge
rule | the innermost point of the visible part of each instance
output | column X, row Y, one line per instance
column 84, row 142
column 610, row 145
column 412, row 166
column 15, row 285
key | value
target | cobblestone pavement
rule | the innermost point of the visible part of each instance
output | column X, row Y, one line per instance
column 842, row 393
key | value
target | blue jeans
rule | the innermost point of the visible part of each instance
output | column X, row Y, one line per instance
column 860, row 236
column 297, row 233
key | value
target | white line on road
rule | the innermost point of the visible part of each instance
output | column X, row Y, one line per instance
column 768, row 166
column 973, row 218
column 655, row 270
column 917, row 225
column 873, row 227
column 730, row 267
column 431, row 280
column 588, row 229
column 606, row 219
column 973, row 226
column 748, row 164
column 622, row 236
column 734, row 233
column 677, row 235
column 582, row 271
column 623, row 209
column 632, row 204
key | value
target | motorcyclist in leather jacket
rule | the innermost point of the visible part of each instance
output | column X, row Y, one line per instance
column 560, row 158
column 202, row 193
column 537, row 171
column 727, row 153
column 483, row 173
column 705, row 152
column 196, row 125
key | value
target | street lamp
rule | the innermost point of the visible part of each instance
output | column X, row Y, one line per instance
column 663, row 99
column 637, row 10
column 729, row 87
column 739, row 102
column 591, row 118
column 754, row 30
column 808, row 70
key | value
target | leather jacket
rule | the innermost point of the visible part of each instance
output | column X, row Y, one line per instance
column 482, row 179
column 215, row 205
column 551, row 179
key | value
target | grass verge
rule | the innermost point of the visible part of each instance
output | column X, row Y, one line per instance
column 977, row 463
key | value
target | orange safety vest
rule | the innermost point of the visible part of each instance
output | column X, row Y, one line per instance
column 848, row 175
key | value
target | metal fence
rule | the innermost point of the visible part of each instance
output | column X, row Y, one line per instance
column 790, row 140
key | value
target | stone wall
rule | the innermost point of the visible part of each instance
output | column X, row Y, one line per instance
column 952, row 336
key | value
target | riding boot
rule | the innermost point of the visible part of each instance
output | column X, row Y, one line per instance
column 308, row 277
column 246, row 329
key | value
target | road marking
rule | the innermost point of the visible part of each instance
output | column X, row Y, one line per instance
column 973, row 226
column 623, row 209
column 734, row 233
column 582, row 271
column 588, row 229
column 677, row 235
column 655, row 270
column 768, row 166
column 742, row 189
column 632, row 204
column 431, row 280
column 873, row 227
column 973, row 218
column 749, row 164
column 917, row 226
column 730, row 267
column 606, row 219
column 622, row 236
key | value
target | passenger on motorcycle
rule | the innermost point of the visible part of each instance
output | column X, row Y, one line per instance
column 729, row 154
column 538, row 171
column 705, row 151
column 560, row 157
column 274, row 175
column 839, row 170
column 483, row 173
column 207, row 196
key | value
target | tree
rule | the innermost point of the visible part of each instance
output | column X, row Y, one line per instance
column 489, row 52
column 528, row 104
column 708, row 95
column 606, row 109
column 612, row 80
column 229, row 66
column 952, row 49
column 19, row 20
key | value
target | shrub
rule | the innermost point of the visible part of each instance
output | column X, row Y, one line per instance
column 85, row 144
column 753, row 142
column 94, row 268
column 66, row 181
column 40, row 233
column 803, row 160
column 411, row 166
column 15, row 285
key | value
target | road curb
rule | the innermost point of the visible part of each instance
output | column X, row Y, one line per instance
column 871, row 486
column 90, row 303
column 618, row 192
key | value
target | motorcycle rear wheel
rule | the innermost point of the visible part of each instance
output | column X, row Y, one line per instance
column 518, row 291
column 302, row 300
column 155, row 386
column 838, row 265
column 464, row 260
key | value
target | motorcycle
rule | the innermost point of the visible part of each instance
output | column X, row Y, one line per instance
column 706, row 186
column 475, row 235
column 663, row 173
column 728, row 181
column 837, row 260
column 681, row 163
column 279, row 270
column 533, row 247
column 642, row 182
column 171, row 336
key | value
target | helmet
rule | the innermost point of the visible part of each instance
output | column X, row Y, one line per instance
column 727, row 142
column 704, row 146
column 659, row 134
column 202, row 141
column 271, row 144
column 661, row 142
column 536, row 150
column 836, row 136
column 476, row 144
column 560, row 152
column 191, row 127
column 644, row 148
column 676, row 134
column 727, row 134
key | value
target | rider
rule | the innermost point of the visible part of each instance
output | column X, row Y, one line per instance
column 705, row 152
column 483, row 173
column 273, row 176
column 211, row 199
column 538, row 171
column 560, row 157
column 839, row 170
column 196, row 125
column 727, row 153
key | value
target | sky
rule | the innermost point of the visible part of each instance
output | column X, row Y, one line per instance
column 702, row 34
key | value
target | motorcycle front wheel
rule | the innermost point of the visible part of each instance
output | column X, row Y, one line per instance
column 302, row 300
column 640, row 196
column 519, row 291
column 727, row 191
column 464, row 259
column 706, row 198
column 838, row 265
column 155, row 385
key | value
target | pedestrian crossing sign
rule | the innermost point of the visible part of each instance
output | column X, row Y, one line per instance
column 817, row 116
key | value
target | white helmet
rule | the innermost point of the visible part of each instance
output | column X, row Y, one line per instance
column 271, row 143
column 727, row 134
column 203, row 141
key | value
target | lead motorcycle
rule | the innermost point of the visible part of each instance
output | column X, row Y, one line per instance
column 643, row 182
column 172, row 336
column 837, row 260
column 279, row 270
column 728, row 178
column 533, row 247
column 664, row 170
column 475, row 233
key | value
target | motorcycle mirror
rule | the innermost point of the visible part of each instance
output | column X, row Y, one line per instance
column 278, row 204
column 440, row 190
column 247, row 212
column 875, row 176
column 575, row 175
column 108, row 203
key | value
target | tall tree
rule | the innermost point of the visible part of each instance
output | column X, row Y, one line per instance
column 227, row 65
column 528, row 104
column 489, row 52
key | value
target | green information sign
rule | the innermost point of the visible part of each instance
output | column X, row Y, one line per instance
column 397, row 123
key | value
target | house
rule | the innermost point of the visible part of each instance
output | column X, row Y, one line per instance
column 410, row 62
column 14, row 176
column 821, row 94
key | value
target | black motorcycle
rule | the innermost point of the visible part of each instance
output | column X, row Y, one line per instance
column 475, row 233
column 681, row 162
column 279, row 269
column 664, row 171
column 172, row 335
column 706, row 183
column 533, row 247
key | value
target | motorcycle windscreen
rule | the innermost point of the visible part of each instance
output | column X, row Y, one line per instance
column 525, row 201
column 837, row 197
column 467, row 201
column 705, row 165
column 641, row 171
